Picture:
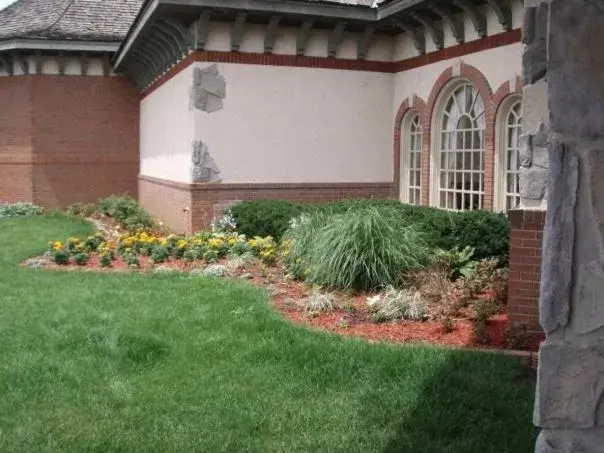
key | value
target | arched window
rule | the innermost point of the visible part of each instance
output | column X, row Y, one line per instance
column 508, row 162
column 460, row 162
column 411, row 159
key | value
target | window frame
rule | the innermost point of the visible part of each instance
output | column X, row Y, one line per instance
column 405, row 156
column 436, row 145
column 501, row 148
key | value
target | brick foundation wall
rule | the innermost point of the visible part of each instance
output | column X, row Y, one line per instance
column 72, row 139
column 526, row 236
column 15, row 139
column 190, row 207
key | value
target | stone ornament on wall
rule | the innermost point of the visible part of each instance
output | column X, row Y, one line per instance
column 204, row 167
column 208, row 90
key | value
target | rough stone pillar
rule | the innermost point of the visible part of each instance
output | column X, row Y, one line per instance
column 570, row 62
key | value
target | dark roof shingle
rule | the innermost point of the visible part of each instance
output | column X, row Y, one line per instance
column 78, row 20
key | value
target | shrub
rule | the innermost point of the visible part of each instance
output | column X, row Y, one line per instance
column 225, row 223
column 81, row 209
column 210, row 256
column 92, row 243
column 516, row 336
column 80, row 258
column 126, row 212
column 264, row 217
column 398, row 304
column 487, row 233
column 483, row 310
column 132, row 261
column 360, row 249
column 318, row 302
column 20, row 209
column 159, row 254
column 106, row 259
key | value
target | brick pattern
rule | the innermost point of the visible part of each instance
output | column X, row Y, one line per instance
column 15, row 139
column 490, row 42
column 526, row 236
column 190, row 207
column 74, row 139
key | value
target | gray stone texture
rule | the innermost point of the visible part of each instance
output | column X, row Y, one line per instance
column 563, row 441
column 204, row 168
column 208, row 90
column 576, row 67
column 534, row 62
column 563, row 399
column 532, row 182
column 559, row 236
column 568, row 403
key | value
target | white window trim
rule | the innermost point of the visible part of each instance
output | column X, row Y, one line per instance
column 435, row 137
column 404, row 155
column 501, row 149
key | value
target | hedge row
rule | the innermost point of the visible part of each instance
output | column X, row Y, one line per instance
column 486, row 232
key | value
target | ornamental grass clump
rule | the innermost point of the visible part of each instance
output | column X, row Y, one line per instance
column 360, row 249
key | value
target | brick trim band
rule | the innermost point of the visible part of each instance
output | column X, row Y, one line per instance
column 191, row 207
column 479, row 45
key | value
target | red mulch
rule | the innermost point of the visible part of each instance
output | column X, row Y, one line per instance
column 350, row 315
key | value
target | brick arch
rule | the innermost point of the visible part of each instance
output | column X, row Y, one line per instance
column 502, row 93
column 419, row 105
column 480, row 82
column 500, row 100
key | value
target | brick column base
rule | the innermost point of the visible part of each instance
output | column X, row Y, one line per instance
column 526, row 235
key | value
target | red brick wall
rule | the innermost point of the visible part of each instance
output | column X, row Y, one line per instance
column 66, row 139
column 85, row 138
column 190, row 207
column 15, row 139
column 524, row 279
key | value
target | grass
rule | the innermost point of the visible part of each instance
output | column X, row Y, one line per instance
column 115, row 363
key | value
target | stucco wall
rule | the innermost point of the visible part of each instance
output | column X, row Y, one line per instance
column 167, row 130
column 282, row 124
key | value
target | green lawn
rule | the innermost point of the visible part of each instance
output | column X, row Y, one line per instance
column 168, row 363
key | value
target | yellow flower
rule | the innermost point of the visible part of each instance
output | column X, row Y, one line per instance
column 216, row 243
column 164, row 242
column 182, row 244
column 73, row 240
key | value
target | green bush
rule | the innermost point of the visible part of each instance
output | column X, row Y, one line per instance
column 265, row 217
column 81, row 259
column 20, row 209
column 487, row 233
column 126, row 212
column 360, row 249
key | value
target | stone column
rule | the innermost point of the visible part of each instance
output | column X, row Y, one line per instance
column 570, row 63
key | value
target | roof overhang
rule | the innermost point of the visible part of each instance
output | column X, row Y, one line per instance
column 324, row 11
column 63, row 46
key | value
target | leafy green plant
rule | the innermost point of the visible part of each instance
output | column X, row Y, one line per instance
column 19, row 209
column 190, row 256
column 131, row 260
column 106, row 259
column 159, row 254
column 211, row 256
column 92, row 243
column 81, row 258
column 264, row 217
column 60, row 257
column 360, row 249
column 484, row 231
column 126, row 211
column 458, row 262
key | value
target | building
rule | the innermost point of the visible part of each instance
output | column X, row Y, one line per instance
column 194, row 104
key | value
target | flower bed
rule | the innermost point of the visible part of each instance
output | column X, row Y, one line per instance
column 395, row 315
